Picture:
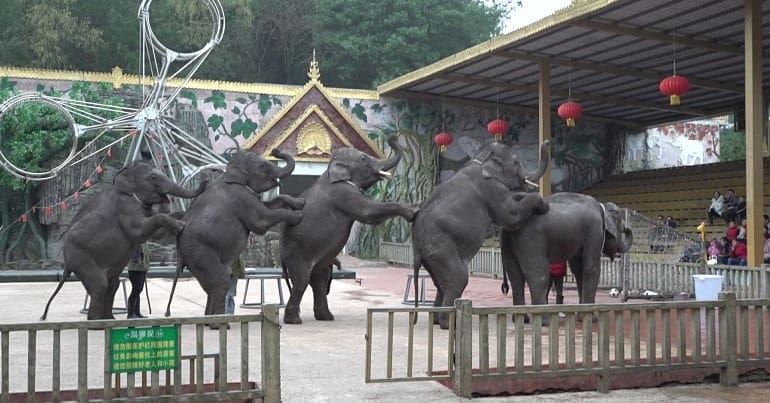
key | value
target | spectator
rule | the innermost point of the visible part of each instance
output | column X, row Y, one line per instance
column 717, row 207
column 658, row 235
column 742, row 232
column 767, row 226
column 237, row 271
column 732, row 231
column 724, row 251
column 741, row 208
column 693, row 252
column 714, row 249
column 137, row 273
column 557, row 271
column 738, row 255
column 731, row 205
column 670, row 222
column 767, row 250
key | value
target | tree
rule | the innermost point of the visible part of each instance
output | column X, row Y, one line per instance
column 365, row 44
column 732, row 146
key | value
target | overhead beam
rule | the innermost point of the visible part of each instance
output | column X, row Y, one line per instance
column 607, row 99
column 657, row 36
column 616, row 70
column 419, row 96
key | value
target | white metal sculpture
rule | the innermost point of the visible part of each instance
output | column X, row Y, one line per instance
column 147, row 128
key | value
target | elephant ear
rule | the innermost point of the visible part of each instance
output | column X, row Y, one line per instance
column 122, row 180
column 339, row 172
column 612, row 222
column 237, row 169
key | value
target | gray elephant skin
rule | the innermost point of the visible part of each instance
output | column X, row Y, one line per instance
column 576, row 228
column 219, row 222
column 332, row 204
column 105, row 231
column 453, row 222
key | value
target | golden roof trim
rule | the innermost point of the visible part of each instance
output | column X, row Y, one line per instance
column 312, row 109
column 575, row 10
column 117, row 78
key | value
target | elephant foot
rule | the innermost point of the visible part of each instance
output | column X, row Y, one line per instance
column 324, row 316
column 291, row 316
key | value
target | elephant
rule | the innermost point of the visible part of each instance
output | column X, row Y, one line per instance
column 219, row 222
column 577, row 228
column 452, row 223
column 104, row 233
column 332, row 204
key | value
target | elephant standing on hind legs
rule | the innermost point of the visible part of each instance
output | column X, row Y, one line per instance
column 332, row 204
column 453, row 222
column 220, row 220
column 111, row 226
column 576, row 228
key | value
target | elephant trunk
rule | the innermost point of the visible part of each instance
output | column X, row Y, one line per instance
column 544, row 157
column 179, row 191
column 626, row 240
column 288, row 168
column 390, row 163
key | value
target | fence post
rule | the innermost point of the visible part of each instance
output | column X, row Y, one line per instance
column 728, row 375
column 271, row 354
column 463, row 385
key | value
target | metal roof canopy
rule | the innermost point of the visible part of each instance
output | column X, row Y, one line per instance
column 614, row 53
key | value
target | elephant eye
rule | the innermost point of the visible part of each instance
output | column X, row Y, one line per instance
column 154, row 177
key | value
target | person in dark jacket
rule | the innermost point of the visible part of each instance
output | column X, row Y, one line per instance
column 137, row 274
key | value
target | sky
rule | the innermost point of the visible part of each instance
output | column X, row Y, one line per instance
column 531, row 11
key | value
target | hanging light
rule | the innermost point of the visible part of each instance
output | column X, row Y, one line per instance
column 570, row 110
column 674, row 86
column 498, row 128
column 442, row 139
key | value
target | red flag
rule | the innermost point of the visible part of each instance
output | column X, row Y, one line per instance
column 63, row 204
column 33, row 209
column 99, row 169
column 76, row 195
column 87, row 183
column 109, row 152
column 48, row 210
column 23, row 218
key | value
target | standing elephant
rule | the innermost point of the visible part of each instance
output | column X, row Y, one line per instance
column 219, row 222
column 576, row 228
column 332, row 204
column 453, row 222
column 105, row 231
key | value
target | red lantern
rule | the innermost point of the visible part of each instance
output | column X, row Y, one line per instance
column 63, row 205
column 674, row 86
column 76, row 195
column 99, row 169
column 48, row 210
column 442, row 140
column 570, row 111
column 23, row 218
column 109, row 152
column 87, row 183
column 498, row 127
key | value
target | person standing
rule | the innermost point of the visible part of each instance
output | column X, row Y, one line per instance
column 137, row 274
column 237, row 271
column 557, row 271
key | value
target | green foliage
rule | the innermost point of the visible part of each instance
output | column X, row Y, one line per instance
column 732, row 146
column 360, row 44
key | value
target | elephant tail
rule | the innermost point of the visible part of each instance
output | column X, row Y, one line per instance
column 504, row 287
column 416, row 265
column 286, row 275
column 180, row 265
column 63, row 278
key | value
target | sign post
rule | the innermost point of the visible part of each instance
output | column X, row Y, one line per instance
column 136, row 349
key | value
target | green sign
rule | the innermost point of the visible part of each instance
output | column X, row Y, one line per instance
column 143, row 349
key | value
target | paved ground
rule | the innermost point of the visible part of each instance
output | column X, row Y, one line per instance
column 324, row 361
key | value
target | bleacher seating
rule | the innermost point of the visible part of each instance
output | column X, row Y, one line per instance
column 683, row 193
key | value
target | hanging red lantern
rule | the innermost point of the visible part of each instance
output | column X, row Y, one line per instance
column 48, row 210
column 442, row 140
column 570, row 111
column 674, row 86
column 87, row 183
column 23, row 218
column 63, row 205
column 76, row 195
column 109, row 152
column 498, row 127
column 99, row 169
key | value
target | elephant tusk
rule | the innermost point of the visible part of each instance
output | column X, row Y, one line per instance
column 385, row 174
column 529, row 182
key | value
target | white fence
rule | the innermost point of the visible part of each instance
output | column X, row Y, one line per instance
column 663, row 278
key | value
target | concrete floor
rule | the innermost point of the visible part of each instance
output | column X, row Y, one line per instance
column 325, row 361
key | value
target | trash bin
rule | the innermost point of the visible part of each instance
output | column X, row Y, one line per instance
column 707, row 286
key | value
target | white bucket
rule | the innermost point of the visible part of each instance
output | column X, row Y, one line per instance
column 707, row 286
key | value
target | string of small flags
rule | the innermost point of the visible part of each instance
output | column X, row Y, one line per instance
column 63, row 205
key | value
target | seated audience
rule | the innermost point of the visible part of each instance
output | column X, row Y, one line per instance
column 738, row 255
column 724, row 251
column 767, row 250
column 731, row 206
column 714, row 249
column 767, row 226
column 732, row 231
column 670, row 222
column 740, row 212
column 742, row 232
column 717, row 208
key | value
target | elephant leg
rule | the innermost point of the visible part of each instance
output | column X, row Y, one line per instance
column 299, row 274
column 512, row 269
column 96, row 286
column 319, row 280
column 109, row 297
column 576, row 266
column 591, row 272
column 451, row 279
column 536, row 274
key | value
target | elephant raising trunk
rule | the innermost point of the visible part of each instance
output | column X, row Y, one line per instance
column 535, row 176
column 288, row 168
